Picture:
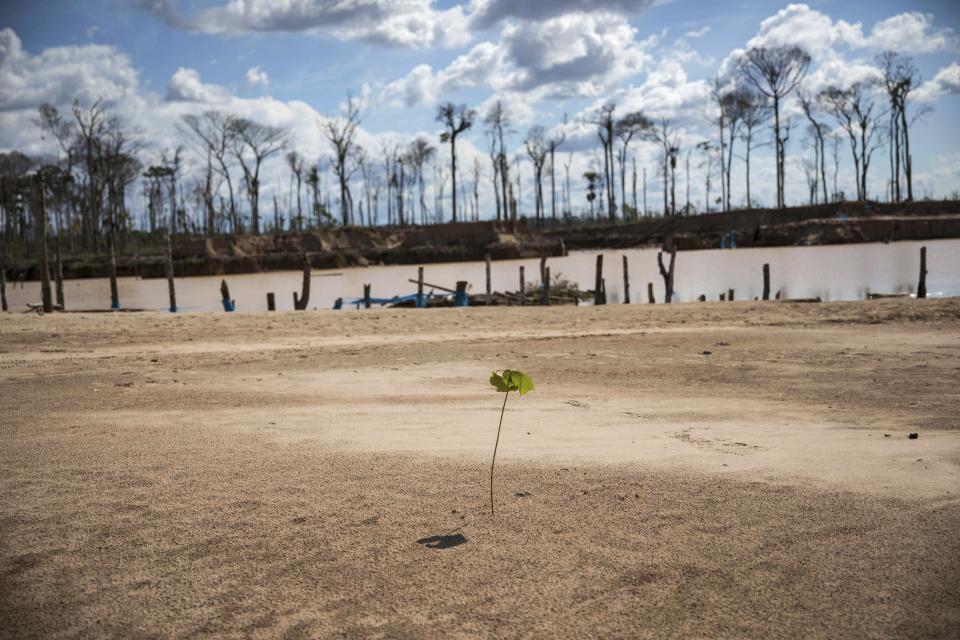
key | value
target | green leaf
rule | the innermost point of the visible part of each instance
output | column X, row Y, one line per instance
column 511, row 380
column 497, row 381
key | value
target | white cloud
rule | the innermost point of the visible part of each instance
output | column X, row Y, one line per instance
column 487, row 13
column 910, row 32
column 947, row 81
column 185, row 86
column 61, row 74
column 697, row 33
column 799, row 25
column 572, row 55
column 255, row 77
column 406, row 23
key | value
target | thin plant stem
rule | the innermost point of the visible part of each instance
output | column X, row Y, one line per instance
column 494, row 461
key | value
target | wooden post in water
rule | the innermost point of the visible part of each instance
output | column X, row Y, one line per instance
column 420, row 301
column 271, row 302
column 667, row 274
column 523, row 287
column 489, row 292
column 366, row 296
column 603, row 290
column 598, row 283
column 922, row 284
column 228, row 303
column 650, row 298
column 3, row 290
column 41, row 214
column 546, row 286
column 300, row 302
column 543, row 267
column 730, row 295
column 168, row 263
column 58, row 278
column 626, row 281
column 563, row 247
column 766, row 281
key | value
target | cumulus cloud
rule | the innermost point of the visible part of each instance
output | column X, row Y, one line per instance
column 572, row 55
column 488, row 13
column 945, row 82
column 255, row 77
column 407, row 23
column 911, row 32
column 800, row 26
column 818, row 34
column 61, row 74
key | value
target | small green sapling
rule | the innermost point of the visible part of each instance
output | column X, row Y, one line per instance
column 505, row 382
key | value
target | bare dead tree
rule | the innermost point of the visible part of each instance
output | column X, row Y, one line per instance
column 605, row 131
column 900, row 77
column 552, row 145
column 732, row 105
column 669, row 140
column 212, row 136
column 854, row 110
column 456, row 119
column 295, row 162
column 756, row 111
column 253, row 144
column 419, row 154
column 497, row 120
column 632, row 126
column 536, row 146
column 776, row 72
column 341, row 133
column 810, row 108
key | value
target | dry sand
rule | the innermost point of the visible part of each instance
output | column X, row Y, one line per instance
column 702, row 470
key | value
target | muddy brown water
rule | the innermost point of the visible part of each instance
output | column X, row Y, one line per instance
column 837, row 272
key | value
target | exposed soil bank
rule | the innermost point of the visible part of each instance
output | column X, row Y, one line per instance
column 839, row 223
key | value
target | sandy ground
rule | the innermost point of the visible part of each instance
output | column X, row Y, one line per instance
column 702, row 470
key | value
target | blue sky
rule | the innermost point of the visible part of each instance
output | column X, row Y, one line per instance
column 402, row 71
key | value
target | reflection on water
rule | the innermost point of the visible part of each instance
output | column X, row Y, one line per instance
column 840, row 272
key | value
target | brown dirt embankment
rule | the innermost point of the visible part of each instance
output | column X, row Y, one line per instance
column 837, row 223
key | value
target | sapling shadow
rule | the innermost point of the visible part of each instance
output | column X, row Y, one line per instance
column 506, row 382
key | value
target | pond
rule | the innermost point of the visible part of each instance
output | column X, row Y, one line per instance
column 835, row 272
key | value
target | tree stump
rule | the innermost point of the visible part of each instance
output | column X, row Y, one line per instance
column 626, row 282
column 766, row 281
column 667, row 274
column 523, row 287
column 922, row 283
column 598, row 283
column 58, row 278
column 366, row 296
column 421, row 303
column 489, row 298
column 168, row 264
column 271, row 302
column 300, row 303
column 546, row 286
column 228, row 303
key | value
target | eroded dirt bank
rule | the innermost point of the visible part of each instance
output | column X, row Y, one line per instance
column 704, row 470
